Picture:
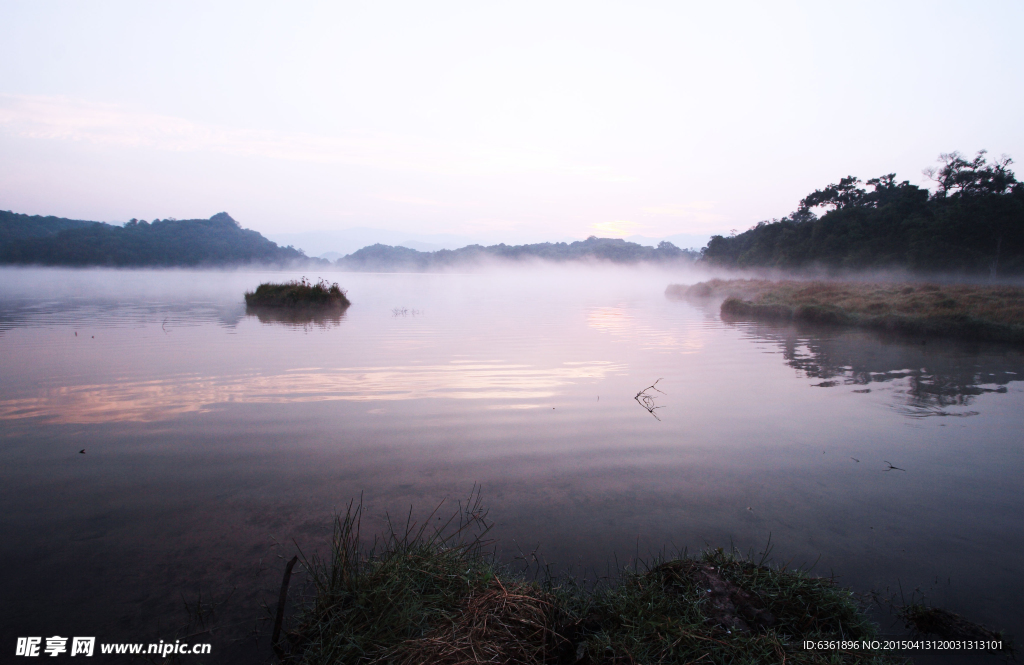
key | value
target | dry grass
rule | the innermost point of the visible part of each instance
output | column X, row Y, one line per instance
column 497, row 624
column 434, row 595
column 959, row 310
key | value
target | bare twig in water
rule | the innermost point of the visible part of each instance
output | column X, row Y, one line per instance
column 893, row 468
column 276, row 635
column 647, row 401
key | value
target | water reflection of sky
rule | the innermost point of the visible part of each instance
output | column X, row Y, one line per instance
column 162, row 399
column 620, row 323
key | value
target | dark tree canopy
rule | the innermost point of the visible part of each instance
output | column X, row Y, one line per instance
column 219, row 240
column 959, row 177
column 972, row 224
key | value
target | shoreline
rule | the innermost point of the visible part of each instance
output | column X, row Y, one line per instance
column 424, row 594
column 960, row 311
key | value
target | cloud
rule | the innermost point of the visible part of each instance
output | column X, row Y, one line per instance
column 162, row 399
column 619, row 323
column 699, row 213
column 411, row 200
column 619, row 228
column 66, row 119
column 683, row 210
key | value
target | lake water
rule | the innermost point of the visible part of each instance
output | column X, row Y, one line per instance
column 216, row 441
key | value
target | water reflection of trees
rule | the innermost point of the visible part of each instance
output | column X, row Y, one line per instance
column 25, row 313
column 306, row 318
column 930, row 377
column 167, row 315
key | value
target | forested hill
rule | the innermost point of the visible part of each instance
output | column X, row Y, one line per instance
column 972, row 224
column 386, row 258
column 219, row 240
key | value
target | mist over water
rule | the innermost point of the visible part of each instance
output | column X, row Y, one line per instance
column 213, row 437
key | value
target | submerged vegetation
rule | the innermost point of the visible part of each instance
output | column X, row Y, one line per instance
column 298, row 294
column 436, row 595
column 994, row 313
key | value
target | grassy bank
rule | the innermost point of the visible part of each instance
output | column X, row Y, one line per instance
column 993, row 313
column 298, row 294
column 434, row 595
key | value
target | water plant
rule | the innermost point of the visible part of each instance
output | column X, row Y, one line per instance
column 298, row 293
column 425, row 594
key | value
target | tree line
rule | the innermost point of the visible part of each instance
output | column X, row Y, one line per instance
column 219, row 240
column 973, row 223
column 614, row 250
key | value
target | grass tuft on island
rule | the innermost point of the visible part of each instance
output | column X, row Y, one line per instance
column 436, row 595
column 298, row 294
column 965, row 311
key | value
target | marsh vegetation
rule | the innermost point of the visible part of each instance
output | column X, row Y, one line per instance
column 994, row 313
column 426, row 594
column 298, row 294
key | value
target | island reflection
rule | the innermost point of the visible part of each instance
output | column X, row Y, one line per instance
column 926, row 378
column 304, row 317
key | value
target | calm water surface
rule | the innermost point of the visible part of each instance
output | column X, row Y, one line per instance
column 215, row 440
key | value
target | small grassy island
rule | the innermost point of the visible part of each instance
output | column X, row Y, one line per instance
column 298, row 294
column 425, row 595
column 991, row 313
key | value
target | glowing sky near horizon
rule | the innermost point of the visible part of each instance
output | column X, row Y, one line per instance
column 514, row 122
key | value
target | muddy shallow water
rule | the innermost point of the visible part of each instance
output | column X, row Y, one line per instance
column 215, row 440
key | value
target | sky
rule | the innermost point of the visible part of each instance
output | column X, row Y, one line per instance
column 496, row 122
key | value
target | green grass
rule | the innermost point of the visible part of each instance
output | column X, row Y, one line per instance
column 434, row 595
column 298, row 294
column 993, row 313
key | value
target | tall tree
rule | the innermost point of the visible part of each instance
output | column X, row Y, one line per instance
column 959, row 177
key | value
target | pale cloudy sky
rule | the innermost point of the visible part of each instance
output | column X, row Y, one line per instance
column 514, row 121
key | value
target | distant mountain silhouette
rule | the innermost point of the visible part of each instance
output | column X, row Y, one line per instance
column 217, row 241
column 387, row 258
